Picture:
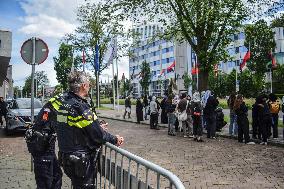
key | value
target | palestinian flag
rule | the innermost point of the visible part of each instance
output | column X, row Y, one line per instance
column 246, row 58
column 272, row 63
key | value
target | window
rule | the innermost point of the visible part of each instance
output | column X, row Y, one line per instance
column 237, row 50
column 172, row 59
column 154, row 29
column 0, row 43
column 237, row 63
column 149, row 34
column 236, row 37
column 168, row 60
column 231, row 37
column 231, row 51
column 145, row 32
column 164, row 61
column 141, row 31
column 171, row 49
column 158, row 62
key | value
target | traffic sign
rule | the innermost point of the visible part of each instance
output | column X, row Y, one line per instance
column 41, row 51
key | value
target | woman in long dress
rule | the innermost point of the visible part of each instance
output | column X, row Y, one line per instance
column 139, row 110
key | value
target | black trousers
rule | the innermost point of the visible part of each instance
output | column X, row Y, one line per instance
column 274, row 125
column 82, row 172
column 48, row 174
column 265, row 125
column 5, row 117
column 197, row 126
column 211, row 125
column 243, row 129
column 154, row 120
column 255, row 128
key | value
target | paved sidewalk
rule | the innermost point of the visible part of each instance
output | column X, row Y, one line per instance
column 118, row 115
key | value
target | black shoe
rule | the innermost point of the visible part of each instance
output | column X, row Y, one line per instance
column 200, row 140
column 195, row 139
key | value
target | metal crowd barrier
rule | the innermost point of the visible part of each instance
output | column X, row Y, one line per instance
column 120, row 169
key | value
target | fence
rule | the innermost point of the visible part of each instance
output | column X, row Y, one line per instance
column 112, row 174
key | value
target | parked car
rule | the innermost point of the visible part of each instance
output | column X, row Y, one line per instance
column 19, row 114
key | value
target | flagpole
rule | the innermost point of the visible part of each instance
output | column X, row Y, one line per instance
column 117, row 87
column 113, row 86
column 271, row 71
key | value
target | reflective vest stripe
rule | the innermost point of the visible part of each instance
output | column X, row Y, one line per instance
column 75, row 118
column 80, row 124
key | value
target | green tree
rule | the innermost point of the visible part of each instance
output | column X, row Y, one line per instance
column 40, row 80
column 99, row 24
column 17, row 92
column 278, row 22
column 145, row 76
column 254, row 82
column 205, row 25
column 260, row 40
column 218, row 84
column 125, row 87
column 231, row 82
column 187, row 81
column 278, row 79
column 63, row 63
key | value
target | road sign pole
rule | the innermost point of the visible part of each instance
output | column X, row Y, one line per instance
column 32, row 91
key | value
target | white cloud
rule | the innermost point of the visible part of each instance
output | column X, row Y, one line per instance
column 46, row 26
column 22, row 70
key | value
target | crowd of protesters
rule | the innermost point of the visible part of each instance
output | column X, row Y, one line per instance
column 190, row 116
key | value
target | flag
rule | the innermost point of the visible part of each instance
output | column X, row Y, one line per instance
column 272, row 62
column 246, row 58
column 97, row 65
column 171, row 67
column 83, row 57
column 162, row 71
column 112, row 51
column 194, row 71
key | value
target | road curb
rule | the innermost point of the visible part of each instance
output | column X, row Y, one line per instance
column 278, row 144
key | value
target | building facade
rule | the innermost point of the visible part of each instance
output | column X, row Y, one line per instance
column 6, row 82
column 167, row 60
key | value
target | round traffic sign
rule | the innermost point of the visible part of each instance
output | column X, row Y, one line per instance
column 41, row 51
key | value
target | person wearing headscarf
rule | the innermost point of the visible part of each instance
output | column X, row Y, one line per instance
column 139, row 110
column 196, row 109
column 154, row 113
column 164, row 117
column 184, row 106
column 146, row 107
column 210, row 104
column 242, row 118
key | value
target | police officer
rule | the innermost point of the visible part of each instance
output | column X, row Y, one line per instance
column 79, row 132
column 41, row 144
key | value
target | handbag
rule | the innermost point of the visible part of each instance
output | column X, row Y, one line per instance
column 182, row 116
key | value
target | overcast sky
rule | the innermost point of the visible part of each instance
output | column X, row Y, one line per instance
column 48, row 20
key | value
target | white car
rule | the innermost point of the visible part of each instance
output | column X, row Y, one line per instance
column 19, row 114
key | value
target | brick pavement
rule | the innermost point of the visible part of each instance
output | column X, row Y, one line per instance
column 221, row 163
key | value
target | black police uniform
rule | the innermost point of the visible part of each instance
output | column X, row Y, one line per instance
column 79, row 136
column 48, row 174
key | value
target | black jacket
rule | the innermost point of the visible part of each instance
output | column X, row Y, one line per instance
column 211, row 106
column 77, row 126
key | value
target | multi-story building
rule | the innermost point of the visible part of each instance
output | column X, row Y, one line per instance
column 161, row 55
column 6, row 82
column 279, row 39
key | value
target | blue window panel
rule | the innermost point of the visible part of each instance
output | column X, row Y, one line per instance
column 164, row 50
column 164, row 61
column 158, row 72
column 154, row 63
column 172, row 59
column 171, row 49
column 158, row 62
column 231, row 51
column 168, row 60
column 158, row 52
column 143, row 47
column 242, row 35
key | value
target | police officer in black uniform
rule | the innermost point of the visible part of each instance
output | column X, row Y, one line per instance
column 79, row 132
column 41, row 144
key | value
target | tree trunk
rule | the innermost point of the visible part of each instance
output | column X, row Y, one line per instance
column 203, row 80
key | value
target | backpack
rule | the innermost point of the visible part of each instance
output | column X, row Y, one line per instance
column 274, row 107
